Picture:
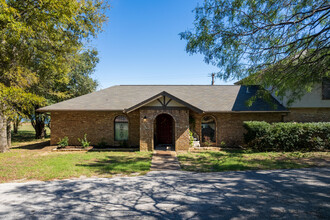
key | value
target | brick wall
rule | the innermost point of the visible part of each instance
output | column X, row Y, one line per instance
column 181, row 128
column 229, row 126
column 99, row 126
column 308, row 115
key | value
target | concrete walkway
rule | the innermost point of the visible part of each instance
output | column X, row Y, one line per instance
column 165, row 160
column 276, row 194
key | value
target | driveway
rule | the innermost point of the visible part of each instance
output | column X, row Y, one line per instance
column 286, row 194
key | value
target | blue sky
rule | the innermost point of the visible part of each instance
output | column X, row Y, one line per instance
column 141, row 45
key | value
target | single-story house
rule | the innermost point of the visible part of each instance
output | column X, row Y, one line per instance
column 147, row 116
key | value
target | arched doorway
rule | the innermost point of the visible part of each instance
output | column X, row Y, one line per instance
column 164, row 132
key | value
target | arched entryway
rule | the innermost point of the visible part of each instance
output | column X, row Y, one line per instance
column 164, row 132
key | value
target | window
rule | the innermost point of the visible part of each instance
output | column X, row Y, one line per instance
column 326, row 88
column 121, row 128
column 208, row 129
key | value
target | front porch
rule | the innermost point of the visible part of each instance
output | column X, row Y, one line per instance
column 162, row 129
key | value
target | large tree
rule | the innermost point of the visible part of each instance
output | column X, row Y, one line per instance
column 38, row 41
column 14, row 101
column 82, row 65
column 280, row 44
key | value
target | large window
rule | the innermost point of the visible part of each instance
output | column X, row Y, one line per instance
column 121, row 128
column 208, row 130
column 326, row 88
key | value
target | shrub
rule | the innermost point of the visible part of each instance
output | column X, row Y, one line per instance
column 123, row 144
column 63, row 142
column 289, row 136
column 84, row 142
column 223, row 144
column 191, row 138
column 102, row 144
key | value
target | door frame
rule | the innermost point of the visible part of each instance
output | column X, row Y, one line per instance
column 155, row 130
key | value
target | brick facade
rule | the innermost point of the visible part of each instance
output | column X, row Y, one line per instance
column 99, row 125
column 229, row 126
column 308, row 115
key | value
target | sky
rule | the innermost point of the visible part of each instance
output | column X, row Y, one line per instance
column 140, row 44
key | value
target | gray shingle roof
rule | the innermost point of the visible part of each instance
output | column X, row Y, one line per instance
column 222, row 98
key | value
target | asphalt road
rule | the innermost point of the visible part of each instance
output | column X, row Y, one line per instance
column 285, row 194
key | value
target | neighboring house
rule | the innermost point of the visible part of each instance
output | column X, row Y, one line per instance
column 313, row 106
column 148, row 115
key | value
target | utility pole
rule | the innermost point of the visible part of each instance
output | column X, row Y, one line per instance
column 212, row 75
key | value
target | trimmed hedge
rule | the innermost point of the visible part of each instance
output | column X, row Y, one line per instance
column 287, row 136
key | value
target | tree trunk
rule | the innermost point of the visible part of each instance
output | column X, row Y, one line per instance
column 39, row 126
column 16, row 123
column 3, row 135
column 8, row 133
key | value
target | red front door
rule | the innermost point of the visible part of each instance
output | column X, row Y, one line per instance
column 164, row 129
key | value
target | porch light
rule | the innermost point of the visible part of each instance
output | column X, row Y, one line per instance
column 144, row 118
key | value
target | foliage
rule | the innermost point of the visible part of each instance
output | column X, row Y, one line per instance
column 207, row 143
column 40, row 39
column 63, row 142
column 41, row 43
column 191, row 138
column 123, row 143
column 102, row 144
column 84, row 142
column 284, row 44
column 81, row 82
column 16, row 102
column 223, row 144
column 287, row 136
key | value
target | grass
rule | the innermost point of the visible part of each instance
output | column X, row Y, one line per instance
column 42, row 165
column 26, row 135
column 245, row 160
column 29, row 159
column 38, row 163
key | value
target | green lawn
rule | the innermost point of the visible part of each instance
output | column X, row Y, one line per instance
column 26, row 135
column 34, row 161
column 244, row 160
column 29, row 159
column 44, row 165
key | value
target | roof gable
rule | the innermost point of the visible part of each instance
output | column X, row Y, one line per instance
column 159, row 96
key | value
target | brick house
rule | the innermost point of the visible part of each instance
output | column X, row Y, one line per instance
column 148, row 116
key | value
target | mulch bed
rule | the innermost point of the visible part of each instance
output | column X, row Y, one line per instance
column 72, row 148
column 91, row 148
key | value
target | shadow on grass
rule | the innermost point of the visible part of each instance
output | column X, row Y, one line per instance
column 35, row 146
column 25, row 136
column 119, row 164
column 234, row 161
